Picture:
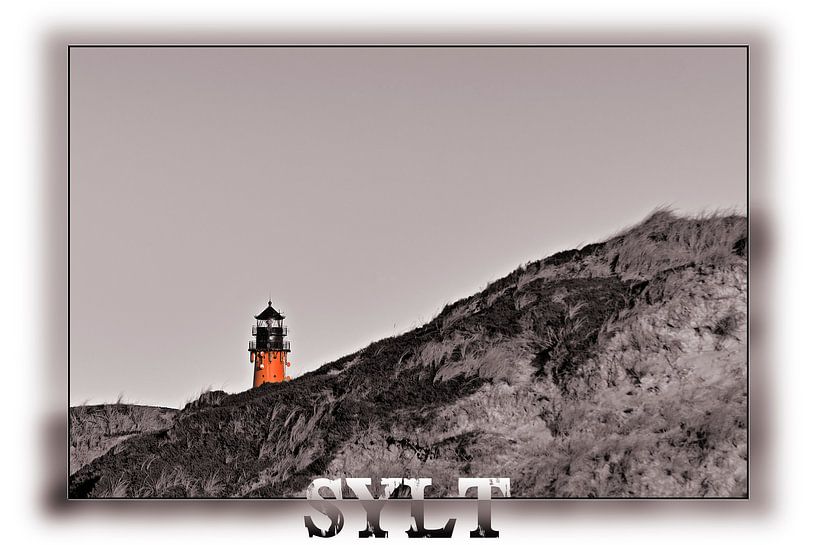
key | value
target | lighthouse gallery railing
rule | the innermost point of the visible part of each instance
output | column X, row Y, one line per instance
column 271, row 344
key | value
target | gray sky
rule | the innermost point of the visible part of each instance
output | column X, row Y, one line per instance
column 362, row 188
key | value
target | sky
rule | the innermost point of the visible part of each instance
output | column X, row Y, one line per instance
column 362, row 189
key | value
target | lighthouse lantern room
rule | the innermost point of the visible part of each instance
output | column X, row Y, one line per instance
column 268, row 349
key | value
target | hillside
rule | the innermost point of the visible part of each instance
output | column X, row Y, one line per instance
column 95, row 429
column 614, row 370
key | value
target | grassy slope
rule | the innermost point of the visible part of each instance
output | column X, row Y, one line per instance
column 614, row 370
column 95, row 429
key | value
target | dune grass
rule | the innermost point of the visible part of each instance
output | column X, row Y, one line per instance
column 613, row 370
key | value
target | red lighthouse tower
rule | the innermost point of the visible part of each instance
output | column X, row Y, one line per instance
column 268, row 349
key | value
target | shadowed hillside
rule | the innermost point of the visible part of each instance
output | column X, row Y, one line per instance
column 95, row 429
column 614, row 370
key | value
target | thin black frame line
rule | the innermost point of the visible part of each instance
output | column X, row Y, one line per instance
column 562, row 46
column 748, row 274
column 68, row 264
column 408, row 45
column 446, row 498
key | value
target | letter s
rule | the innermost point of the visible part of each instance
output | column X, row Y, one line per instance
column 315, row 500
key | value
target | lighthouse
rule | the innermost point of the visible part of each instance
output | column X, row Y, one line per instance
column 268, row 349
